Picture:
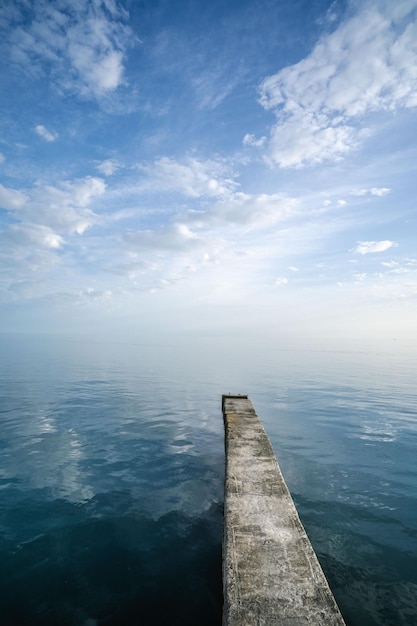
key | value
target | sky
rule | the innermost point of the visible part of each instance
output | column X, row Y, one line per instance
column 185, row 167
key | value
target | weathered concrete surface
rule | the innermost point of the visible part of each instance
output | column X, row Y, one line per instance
column 271, row 574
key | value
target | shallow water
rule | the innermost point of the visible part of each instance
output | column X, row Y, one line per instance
column 111, row 476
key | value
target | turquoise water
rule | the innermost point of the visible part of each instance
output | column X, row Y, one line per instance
column 111, row 475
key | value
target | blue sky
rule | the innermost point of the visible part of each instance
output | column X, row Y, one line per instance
column 179, row 166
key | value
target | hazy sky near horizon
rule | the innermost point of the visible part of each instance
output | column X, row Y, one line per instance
column 211, row 167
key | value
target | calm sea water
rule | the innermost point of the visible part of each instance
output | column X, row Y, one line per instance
column 112, row 463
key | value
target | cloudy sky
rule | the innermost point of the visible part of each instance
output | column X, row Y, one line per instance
column 209, row 167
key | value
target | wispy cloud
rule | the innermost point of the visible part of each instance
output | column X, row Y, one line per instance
column 80, row 45
column 368, row 247
column 211, row 88
column 360, row 277
column 251, row 140
column 191, row 177
column 374, row 191
column 46, row 134
column 26, row 241
column 44, row 225
column 175, row 237
column 245, row 211
column 45, row 214
column 11, row 199
column 282, row 280
column 108, row 167
column 366, row 65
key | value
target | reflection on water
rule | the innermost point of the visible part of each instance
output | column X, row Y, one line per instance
column 111, row 476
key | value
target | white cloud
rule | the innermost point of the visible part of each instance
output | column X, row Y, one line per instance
column 245, row 210
column 96, row 295
column 203, row 180
column 2, row 158
column 24, row 239
column 46, row 134
column 58, row 210
column 307, row 137
column 81, row 45
column 64, row 207
column 379, row 191
column 366, row 65
column 108, row 167
column 44, row 232
column 11, row 199
column 193, row 178
column 99, row 70
column 360, row 277
column 229, row 234
column 401, row 270
column 250, row 140
column 367, row 247
column 177, row 237
column 52, row 240
column 82, row 191
column 281, row 281
column 374, row 191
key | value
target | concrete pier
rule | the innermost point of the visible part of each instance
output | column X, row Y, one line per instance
column 271, row 575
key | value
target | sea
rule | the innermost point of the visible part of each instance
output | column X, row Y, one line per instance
column 112, row 470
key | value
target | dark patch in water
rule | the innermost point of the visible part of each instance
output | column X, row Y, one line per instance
column 117, row 571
